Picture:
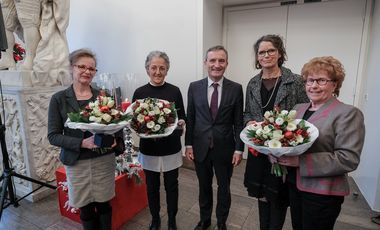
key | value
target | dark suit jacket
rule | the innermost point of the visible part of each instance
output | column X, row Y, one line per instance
column 201, row 129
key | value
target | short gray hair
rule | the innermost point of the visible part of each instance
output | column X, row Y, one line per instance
column 216, row 48
column 158, row 54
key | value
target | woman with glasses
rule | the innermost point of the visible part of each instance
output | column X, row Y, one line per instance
column 161, row 154
column 90, row 174
column 275, row 85
column 318, row 181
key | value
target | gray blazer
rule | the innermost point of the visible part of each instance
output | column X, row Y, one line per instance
column 291, row 92
column 225, row 130
column 69, row 140
column 323, row 168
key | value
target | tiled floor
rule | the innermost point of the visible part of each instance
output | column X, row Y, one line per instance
column 44, row 214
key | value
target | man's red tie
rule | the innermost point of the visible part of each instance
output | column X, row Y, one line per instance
column 214, row 101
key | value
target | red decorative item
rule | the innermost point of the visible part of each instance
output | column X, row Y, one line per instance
column 129, row 200
column 253, row 151
column 18, row 52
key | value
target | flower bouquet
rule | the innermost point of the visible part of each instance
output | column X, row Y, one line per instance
column 280, row 134
column 101, row 118
column 153, row 118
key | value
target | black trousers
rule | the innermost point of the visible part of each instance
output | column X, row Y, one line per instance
column 205, row 173
column 313, row 211
column 153, row 192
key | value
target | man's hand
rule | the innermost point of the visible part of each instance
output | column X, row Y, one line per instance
column 236, row 159
column 189, row 153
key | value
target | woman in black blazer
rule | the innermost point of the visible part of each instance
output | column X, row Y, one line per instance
column 90, row 174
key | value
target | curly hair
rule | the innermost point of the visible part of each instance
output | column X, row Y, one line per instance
column 329, row 65
column 277, row 42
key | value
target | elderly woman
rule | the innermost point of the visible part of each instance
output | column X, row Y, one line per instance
column 161, row 154
column 90, row 174
column 274, row 85
column 318, row 182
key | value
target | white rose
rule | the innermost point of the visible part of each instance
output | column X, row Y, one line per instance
column 267, row 114
column 144, row 105
column 167, row 111
column 156, row 128
column 259, row 132
column 274, row 144
column 138, row 110
column 267, row 129
column 156, row 110
column 104, row 100
column 292, row 114
column 150, row 124
column 96, row 112
column 277, row 134
column 91, row 105
column 140, row 118
column 110, row 103
column 161, row 120
column 271, row 119
column 291, row 126
column 279, row 121
column 114, row 112
column 92, row 118
column 106, row 117
column 254, row 126
column 151, row 113
column 96, row 103
column 284, row 112
column 160, row 105
column 299, row 139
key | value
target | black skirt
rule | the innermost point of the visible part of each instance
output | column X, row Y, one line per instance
column 261, row 183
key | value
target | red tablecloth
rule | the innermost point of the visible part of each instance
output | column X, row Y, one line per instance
column 129, row 200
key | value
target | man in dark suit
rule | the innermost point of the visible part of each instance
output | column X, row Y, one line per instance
column 215, row 120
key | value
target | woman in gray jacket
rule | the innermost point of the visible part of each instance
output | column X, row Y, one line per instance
column 275, row 85
column 318, row 181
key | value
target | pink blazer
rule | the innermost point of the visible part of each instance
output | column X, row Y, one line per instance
column 323, row 168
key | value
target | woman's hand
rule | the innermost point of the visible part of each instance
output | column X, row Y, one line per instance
column 181, row 123
column 88, row 143
column 250, row 123
column 292, row 161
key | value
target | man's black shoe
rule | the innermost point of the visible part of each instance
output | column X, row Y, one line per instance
column 222, row 226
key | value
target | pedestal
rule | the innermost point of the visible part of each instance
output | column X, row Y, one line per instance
column 26, row 100
column 129, row 200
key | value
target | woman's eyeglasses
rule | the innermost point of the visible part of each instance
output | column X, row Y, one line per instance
column 83, row 68
column 320, row 81
column 270, row 52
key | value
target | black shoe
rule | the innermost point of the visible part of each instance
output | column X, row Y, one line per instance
column 222, row 226
column 203, row 225
column 155, row 225
column 172, row 225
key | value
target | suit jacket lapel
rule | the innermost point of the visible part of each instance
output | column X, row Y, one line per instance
column 256, row 94
column 204, row 91
column 72, row 100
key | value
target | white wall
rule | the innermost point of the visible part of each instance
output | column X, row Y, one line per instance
column 212, row 24
column 127, row 31
column 367, row 176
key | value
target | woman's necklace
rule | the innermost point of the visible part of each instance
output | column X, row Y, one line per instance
column 270, row 98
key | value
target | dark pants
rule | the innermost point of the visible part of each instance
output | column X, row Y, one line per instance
column 313, row 211
column 205, row 172
column 271, row 215
column 153, row 191
column 96, row 215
